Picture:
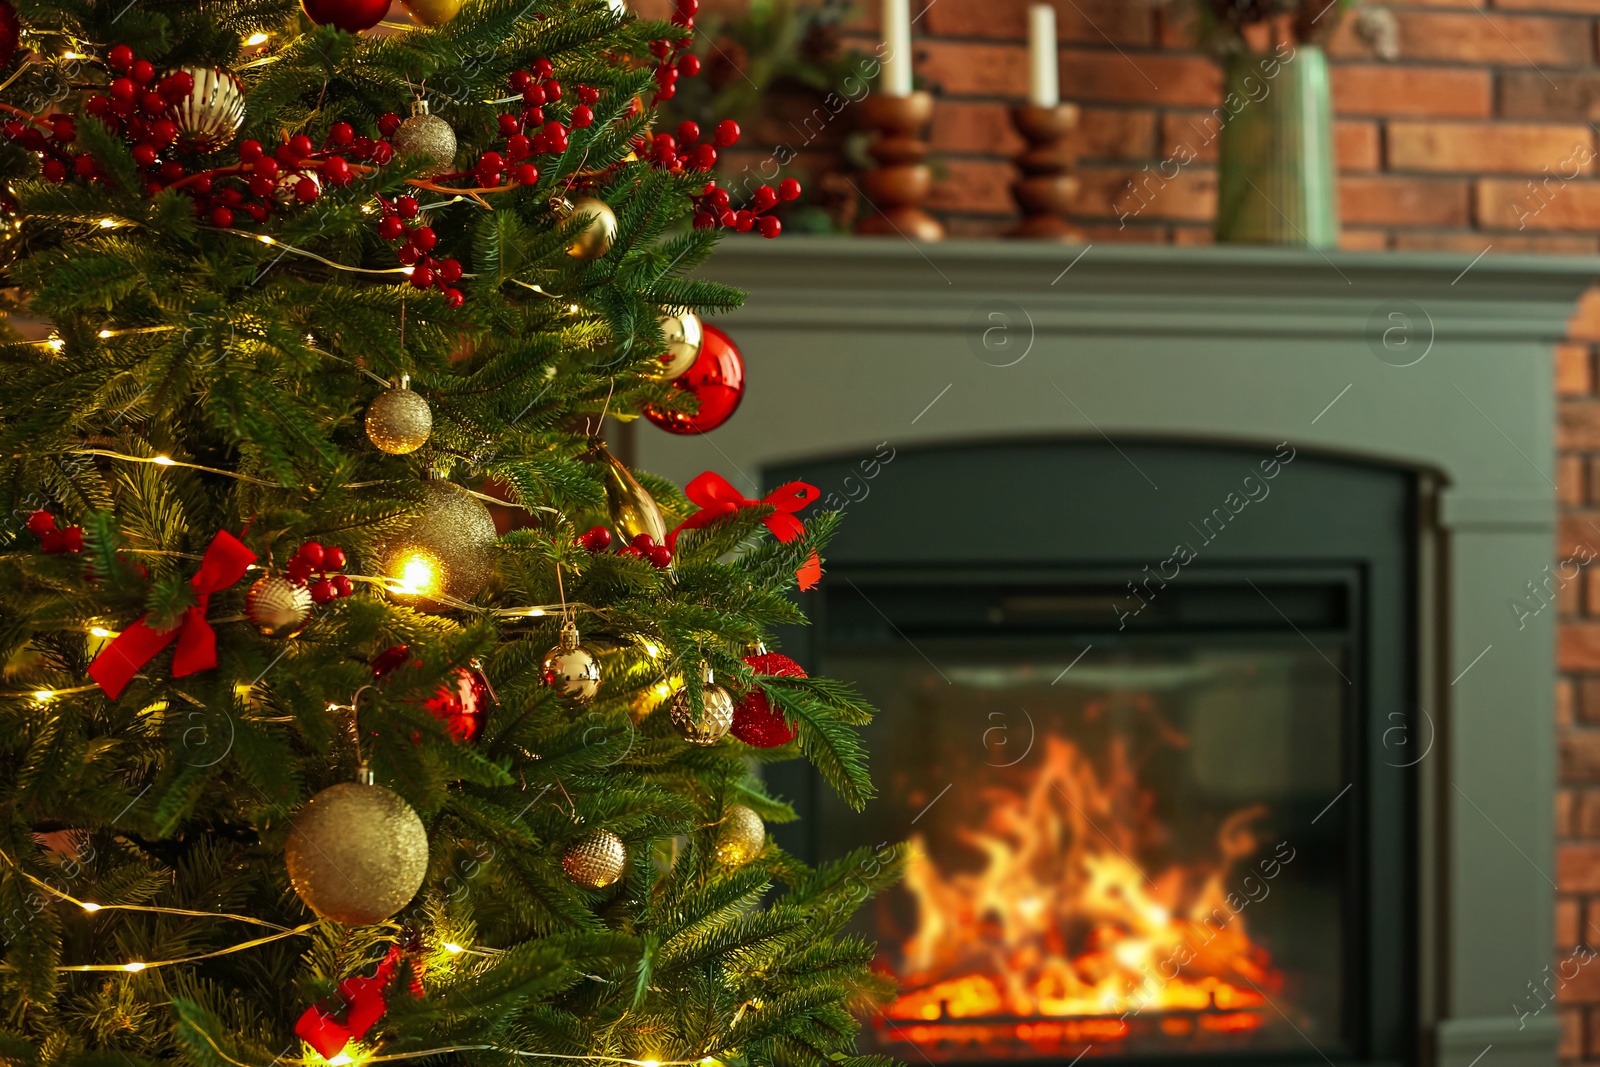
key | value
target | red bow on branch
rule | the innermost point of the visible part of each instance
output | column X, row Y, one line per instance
column 718, row 498
column 361, row 1000
column 225, row 563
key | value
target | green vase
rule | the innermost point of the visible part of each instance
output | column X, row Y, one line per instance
column 1277, row 182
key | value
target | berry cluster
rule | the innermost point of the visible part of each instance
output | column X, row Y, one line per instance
column 52, row 539
column 671, row 63
column 714, row 208
column 294, row 173
column 416, row 250
column 681, row 153
column 597, row 539
column 538, row 88
column 314, row 558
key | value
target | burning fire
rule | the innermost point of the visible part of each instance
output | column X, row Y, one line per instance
column 1063, row 936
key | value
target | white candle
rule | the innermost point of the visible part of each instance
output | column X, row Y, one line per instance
column 897, row 47
column 1043, row 89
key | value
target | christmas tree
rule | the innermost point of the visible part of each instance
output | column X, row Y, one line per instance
column 307, row 761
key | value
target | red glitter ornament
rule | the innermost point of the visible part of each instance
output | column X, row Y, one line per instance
column 461, row 702
column 716, row 379
column 755, row 721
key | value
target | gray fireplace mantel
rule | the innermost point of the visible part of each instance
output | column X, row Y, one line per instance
column 1440, row 364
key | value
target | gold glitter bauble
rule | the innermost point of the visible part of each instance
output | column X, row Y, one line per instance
column 210, row 116
column 427, row 137
column 399, row 421
column 714, row 719
column 740, row 837
column 357, row 853
column 277, row 607
column 596, row 859
column 570, row 669
column 629, row 505
column 683, row 334
column 432, row 12
column 596, row 237
column 448, row 549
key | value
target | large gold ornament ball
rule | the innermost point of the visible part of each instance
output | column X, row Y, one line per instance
column 449, row 549
column 570, row 669
column 596, row 860
column 629, row 505
column 277, row 607
column 399, row 421
column 684, row 335
column 599, row 231
column 427, row 137
column 210, row 116
column 357, row 853
column 713, row 721
column 740, row 836
column 432, row 12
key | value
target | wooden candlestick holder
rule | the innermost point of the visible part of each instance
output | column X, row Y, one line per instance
column 899, row 184
column 1047, row 186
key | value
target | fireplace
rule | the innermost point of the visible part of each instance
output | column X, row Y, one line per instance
column 1018, row 432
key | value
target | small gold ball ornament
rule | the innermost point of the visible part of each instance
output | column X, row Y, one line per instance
column 598, row 233
column 629, row 505
column 683, row 334
column 740, row 837
column 714, row 718
column 596, row 860
column 449, row 549
column 277, row 607
column 357, row 853
column 428, row 137
column 211, row 114
column 570, row 669
column 399, row 421
column 432, row 12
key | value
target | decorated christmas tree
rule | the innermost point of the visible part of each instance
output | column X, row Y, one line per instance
column 307, row 760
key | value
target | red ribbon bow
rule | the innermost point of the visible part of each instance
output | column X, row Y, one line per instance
column 718, row 498
column 225, row 563
column 362, row 1001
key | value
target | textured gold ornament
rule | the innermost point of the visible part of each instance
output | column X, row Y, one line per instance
column 597, row 235
column 570, row 669
column 399, row 421
column 357, row 853
column 629, row 505
column 683, row 334
column 448, row 549
column 740, row 837
column 714, row 719
column 210, row 116
column 428, row 137
column 277, row 607
column 597, row 859
column 432, row 12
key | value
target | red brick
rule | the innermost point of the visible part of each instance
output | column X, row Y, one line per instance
column 1574, row 370
column 1567, row 922
column 1578, row 646
column 1537, row 204
column 1356, row 145
column 1586, row 700
column 1570, row 487
column 1582, row 7
column 1092, row 21
column 1567, row 594
column 1127, row 195
column 1585, row 322
column 1532, row 94
column 975, row 69
column 1571, row 1033
column 1143, row 78
column 1566, row 701
column 1579, row 751
column 1403, row 201
column 1193, row 235
column 1586, row 817
column 1477, row 37
column 1578, row 868
column 1360, row 89
column 964, row 127
column 1578, row 425
column 972, row 185
column 1106, row 133
column 1363, row 240
column 1192, row 133
column 1504, row 147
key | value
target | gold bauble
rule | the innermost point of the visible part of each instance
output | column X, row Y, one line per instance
column 277, row 607
column 597, row 235
column 210, row 116
column 570, row 669
column 629, row 505
column 740, row 837
column 357, row 853
column 399, row 421
column 449, row 549
column 683, row 334
column 427, row 137
column 432, row 12
column 596, row 860
column 715, row 716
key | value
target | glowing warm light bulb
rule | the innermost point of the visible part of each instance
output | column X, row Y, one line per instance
column 266, row 240
column 163, row 461
column 340, row 1060
column 44, row 694
column 73, row 55
column 649, row 1063
column 415, row 572
column 255, row 39
column 652, row 650
column 108, row 224
column 88, row 905
column 105, row 333
column 453, row 948
column 101, row 631
column 55, row 344
column 135, row 967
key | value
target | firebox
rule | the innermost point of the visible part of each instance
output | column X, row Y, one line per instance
column 1152, row 739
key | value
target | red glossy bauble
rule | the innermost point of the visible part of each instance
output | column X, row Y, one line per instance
column 716, row 379
column 461, row 703
column 755, row 721
column 352, row 16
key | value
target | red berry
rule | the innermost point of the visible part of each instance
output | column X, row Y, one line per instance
column 62, row 129
column 659, row 556
column 408, row 254
column 533, row 96
column 84, row 166
column 336, row 171
column 491, row 161
column 221, row 218
column 250, row 151
column 688, row 8
column 520, row 80
column 727, row 133
column 381, row 153
column 153, row 104
column 333, row 558
column 257, row 211
column 788, row 189
column 297, row 571
column 518, row 147
column 659, row 49
column 765, row 196
column 143, row 72
column 301, row 146
column 422, row 278
column 406, row 206
column 453, row 298
column 306, row 190
column 144, row 154
column 552, row 90
column 582, row 116
column 688, row 132
column 588, row 94
column 630, row 552
column 450, row 271
column 509, row 124
column 120, row 57
column 124, row 89
column 388, row 124
column 202, row 185
column 526, row 174
column 180, row 84
column 267, row 167
column 543, row 68
column 532, row 116
column 769, row 226
column 343, row 586
column 689, row 66
column 424, row 238
column 163, row 132
column 171, row 170
column 313, row 554
column 727, row 218
column 704, row 219
column 744, row 221
column 704, row 157
column 595, row 539
column 642, row 541
column 391, row 228
column 54, row 171
column 41, row 521
column 342, row 133
column 323, row 591
column 720, row 198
